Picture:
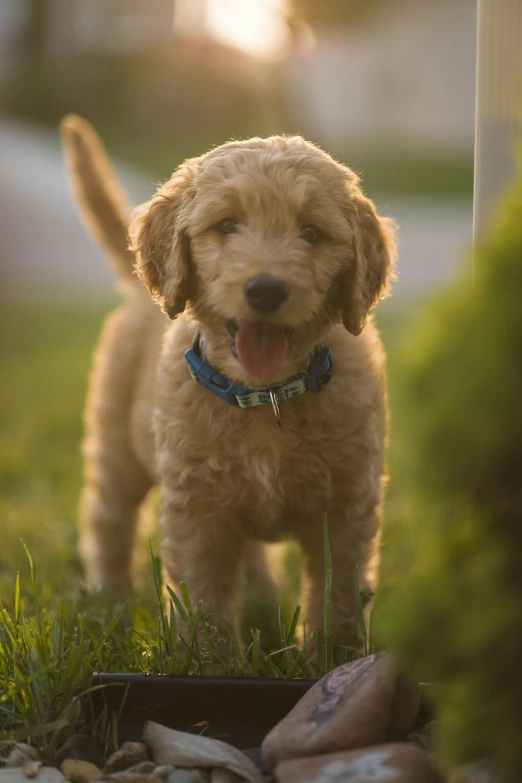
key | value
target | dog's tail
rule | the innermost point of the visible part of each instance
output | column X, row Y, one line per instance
column 103, row 206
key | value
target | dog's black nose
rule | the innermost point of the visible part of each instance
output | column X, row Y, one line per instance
column 265, row 294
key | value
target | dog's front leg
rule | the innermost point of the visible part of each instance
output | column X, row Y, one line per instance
column 352, row 533
column 203, row 548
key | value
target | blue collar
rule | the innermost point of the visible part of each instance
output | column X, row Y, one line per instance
column 314, row 380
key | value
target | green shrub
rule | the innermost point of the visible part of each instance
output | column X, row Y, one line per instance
column 458, row 430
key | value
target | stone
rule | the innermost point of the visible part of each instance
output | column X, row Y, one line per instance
column 78, row 771
column 188, row 751
column 182, row 776
column 125, row 776
column 366, row 702
column 405, row 708
column 203, row 774
column 145, row 768
column 31, row 768
column 45, row 775
column 21, row 753
column 254, row 754
column 130, row 754
column 79, row 746
column 224, row 775
column 163, row 771
column 396, row 763
column 424, row 737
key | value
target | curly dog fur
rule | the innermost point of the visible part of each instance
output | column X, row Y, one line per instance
column 230, row 479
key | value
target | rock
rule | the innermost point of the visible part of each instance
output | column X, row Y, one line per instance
column 197, row 775
column 130, row 777
column 145, row 768
column 78, row 771
column 182, row 776
column 398, row 762
column 163, row 771
column 20, row 754
column 223, row 775
column 424, row 737
column 31, row 768
column 45, row 775
column 79, row 746
column 185, row 750
column 254, row 754
column 130, row 754
column 203, row 774
column 405, row 708
column 366, row 702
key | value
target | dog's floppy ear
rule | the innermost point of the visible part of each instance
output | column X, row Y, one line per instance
column 374, row 255
column 160, row 242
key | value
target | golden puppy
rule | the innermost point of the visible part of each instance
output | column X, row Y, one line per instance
column 268, row 258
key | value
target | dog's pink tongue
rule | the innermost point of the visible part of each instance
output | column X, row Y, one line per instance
column 261, row 348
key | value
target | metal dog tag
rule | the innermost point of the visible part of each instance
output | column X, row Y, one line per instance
column 275, row 408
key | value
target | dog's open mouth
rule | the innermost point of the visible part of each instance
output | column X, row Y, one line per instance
column 260, row 347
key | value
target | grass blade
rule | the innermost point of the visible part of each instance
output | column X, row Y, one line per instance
column 17, row 597
column 360, row 611
column 11, row 737
column 327, row 614
column 179, row 606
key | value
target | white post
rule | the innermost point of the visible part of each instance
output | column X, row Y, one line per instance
column 498, row 127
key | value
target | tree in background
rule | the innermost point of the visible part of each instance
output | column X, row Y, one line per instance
column 458, row 419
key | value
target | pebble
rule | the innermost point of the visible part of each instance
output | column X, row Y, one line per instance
column 405, row 708
column 130, row 754
column 366, row 702
column 193, row 751
column 45, row 775
column 397, row 762
column 31, row 768
column 254, row 754
column 182, row 776
column 145, row 768
column 424, row 737
column 21, row 753
column 79, row 746
column 125, row 776
column 78, row 771
column 202, row 773
column 224, row 775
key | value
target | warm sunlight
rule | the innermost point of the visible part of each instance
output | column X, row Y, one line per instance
column 256, row 26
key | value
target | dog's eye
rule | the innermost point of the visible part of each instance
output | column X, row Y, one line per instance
column 227, row 226
column 311, row 234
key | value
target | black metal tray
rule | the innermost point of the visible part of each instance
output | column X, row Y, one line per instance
column 238, row 710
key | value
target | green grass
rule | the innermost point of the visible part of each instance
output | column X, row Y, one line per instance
column 52, row 635
column 45, row 355
column 45, row 360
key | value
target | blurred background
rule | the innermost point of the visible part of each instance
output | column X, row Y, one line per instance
column 387, row 86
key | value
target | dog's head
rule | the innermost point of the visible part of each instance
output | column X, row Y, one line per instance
column 269, row 241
